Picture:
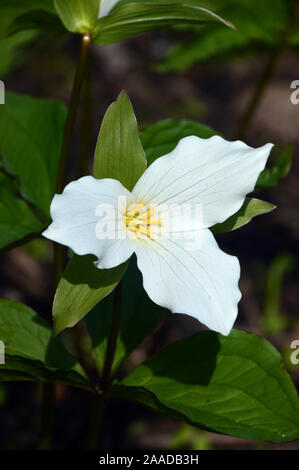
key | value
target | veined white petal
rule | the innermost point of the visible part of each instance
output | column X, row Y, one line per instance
column 212, row 173
column 88, row 218
column 106, row 6
column 202, row 282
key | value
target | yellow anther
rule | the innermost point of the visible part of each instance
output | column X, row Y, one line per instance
column 147, row 214
column 129, row 219
column 133, row 228
column 145, row 231
column 153, row 221
column 134, row 212
column 140, row 223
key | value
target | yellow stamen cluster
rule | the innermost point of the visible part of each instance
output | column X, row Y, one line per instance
column 139, row 221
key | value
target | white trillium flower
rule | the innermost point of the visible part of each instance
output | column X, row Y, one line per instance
column 106, row 6
column 201, row 280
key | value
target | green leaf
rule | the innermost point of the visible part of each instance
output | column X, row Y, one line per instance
column 271, row 176
column 119, row 153
column 11, row 9
column 250, row 208
column 30, row 139
column 30, row 351
column 234, row 385
column 35, row 20
column 16, row 219
column 81, row 287
column 162, row 137
column 78, row 16
column 139, row 316
column 132, row 19
column 22, row 369
column 258, row 30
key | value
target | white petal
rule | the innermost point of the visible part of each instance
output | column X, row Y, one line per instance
column 212, row 173
column 202, row 283
column 106, row 6
column 88, row 218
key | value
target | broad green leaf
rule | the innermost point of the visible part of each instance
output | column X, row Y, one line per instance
column 30, row 138
column 250, row 208
column 11, row 9
column 259, row 30
column 234, row 385
column 162, row 137
column 78, row 16
column 35, row 20
column 22, row 369
column 139, row 316
column 81, row 287
column 271, row 176
column 16, row 219
column 119, row 153
column 30, row 351
column 132, row 19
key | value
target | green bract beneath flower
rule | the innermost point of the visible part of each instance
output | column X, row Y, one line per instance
column 165, row 220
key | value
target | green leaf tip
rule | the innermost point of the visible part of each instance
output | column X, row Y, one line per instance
column 81, row 287
column 119, row 153
column 250, row 209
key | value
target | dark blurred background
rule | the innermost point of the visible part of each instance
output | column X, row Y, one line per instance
column 216, row 91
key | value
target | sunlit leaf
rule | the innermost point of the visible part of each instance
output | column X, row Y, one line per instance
column 250, row 209
column 119, row 153
column 78, row 16
column 233, row 385
column 81, row 287
column 137, row 18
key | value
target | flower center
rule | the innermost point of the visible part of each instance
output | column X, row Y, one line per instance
column 139, row 220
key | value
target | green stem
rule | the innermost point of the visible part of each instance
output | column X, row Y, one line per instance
column 96, row 416
column 85, row 122
column 47, row 416
column 265, row 79
column 48, row 390
column 72, row 112
column 100, row 400
column 112, row 340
